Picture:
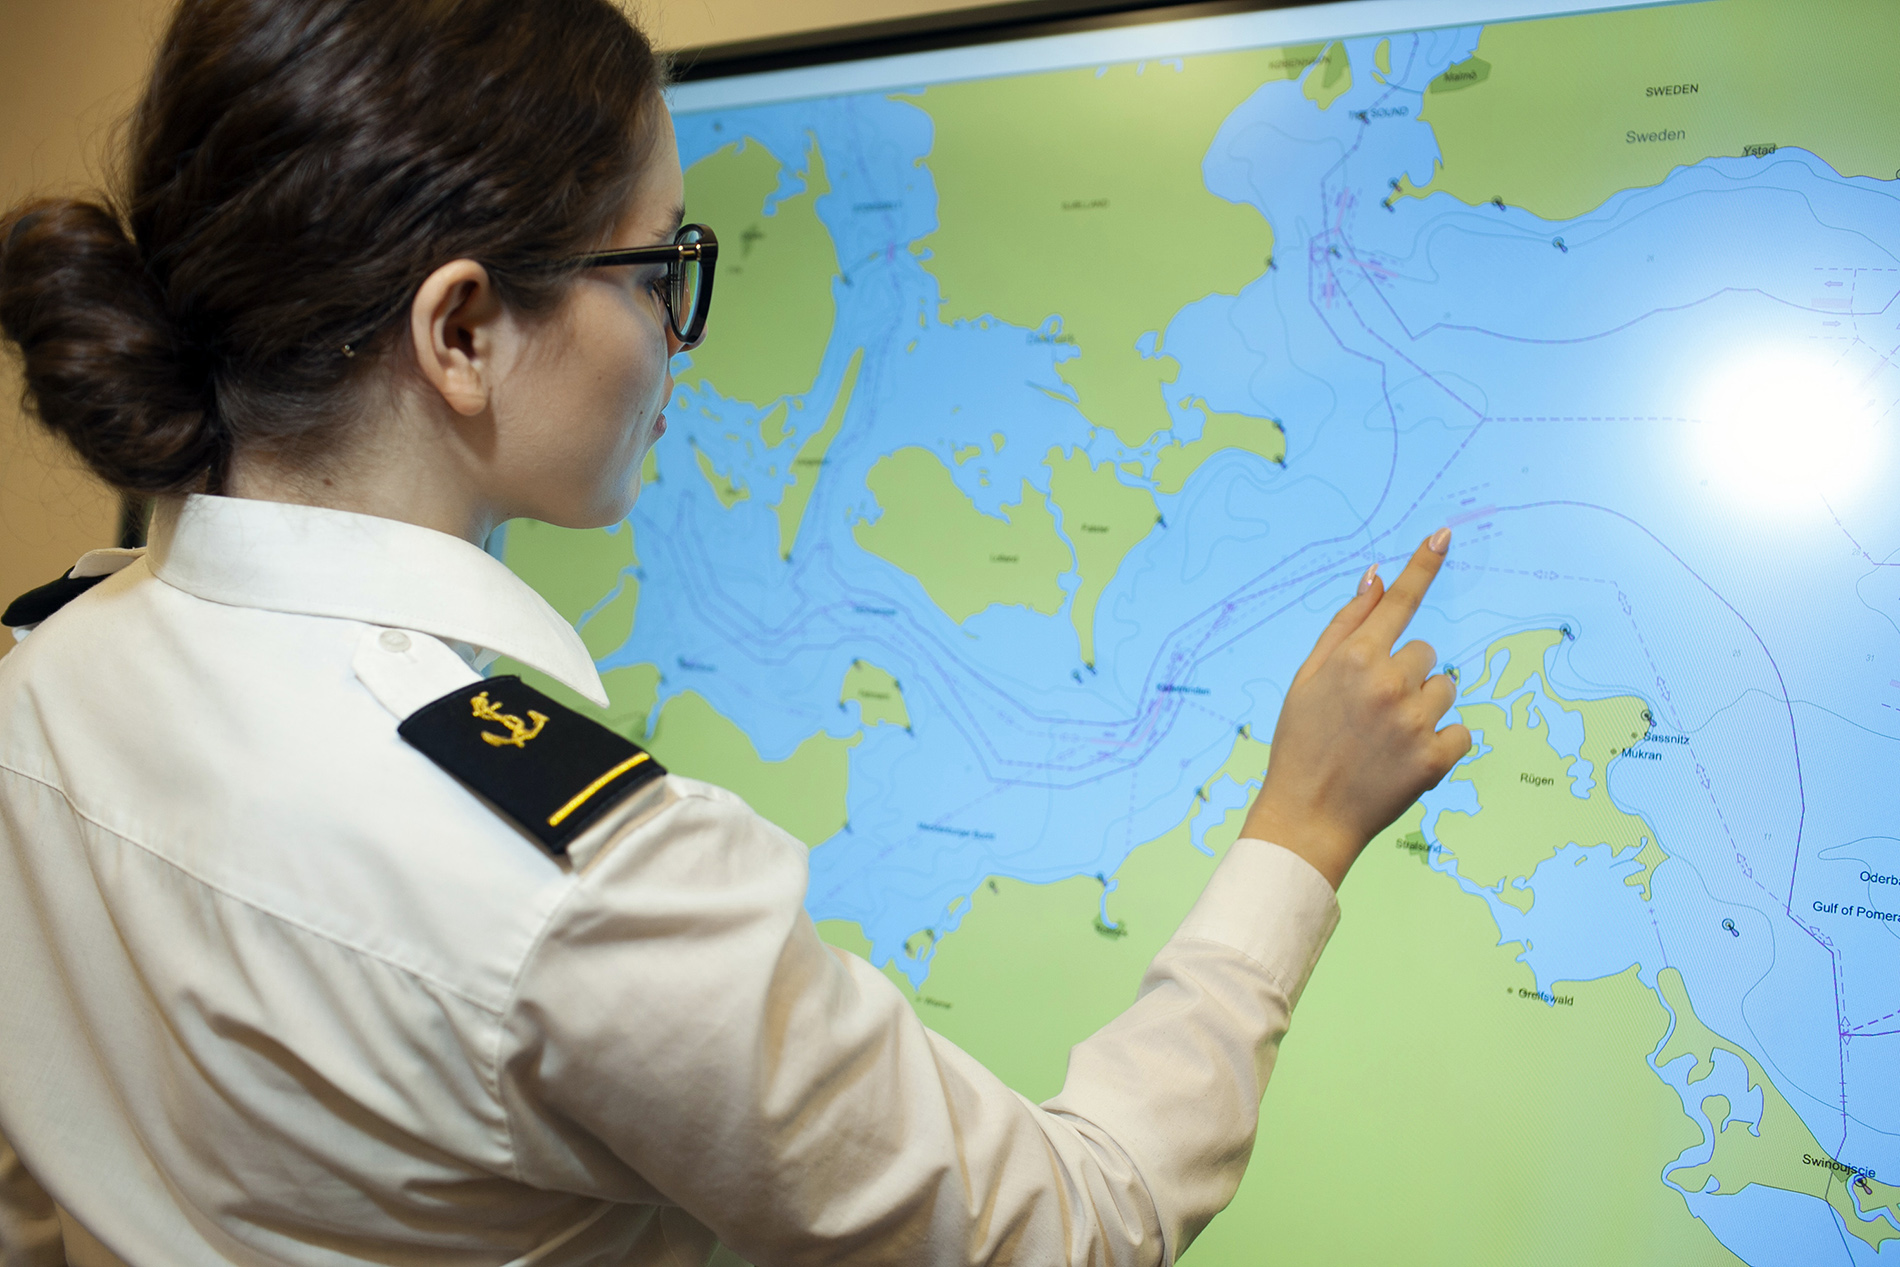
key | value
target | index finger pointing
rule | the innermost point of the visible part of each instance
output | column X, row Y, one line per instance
column 1394, row 612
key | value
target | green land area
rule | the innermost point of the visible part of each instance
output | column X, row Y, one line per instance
column 804, row 793
column 880, row 698
column 1427, row 1108
column 810, row 462
column 727, row 489
column 775, row 271
column 1261, row 436
column 573, row 569
column 1331, row 78
column 1054, row 190
column 1527, row 810
column 1779, row 1151
column 1558, row 114
column 1104, row 519
column 966, row 560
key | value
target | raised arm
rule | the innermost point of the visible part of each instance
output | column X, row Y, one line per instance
column 681, row 1034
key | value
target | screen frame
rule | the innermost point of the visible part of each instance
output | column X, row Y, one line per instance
column 953, row 28
column 1029, row 36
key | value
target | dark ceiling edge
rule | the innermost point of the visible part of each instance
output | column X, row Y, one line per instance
column 1021, row 19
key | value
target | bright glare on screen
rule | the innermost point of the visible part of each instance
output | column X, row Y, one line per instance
column 1783, row 425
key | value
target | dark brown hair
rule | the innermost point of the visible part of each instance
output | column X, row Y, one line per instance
column 296, row 169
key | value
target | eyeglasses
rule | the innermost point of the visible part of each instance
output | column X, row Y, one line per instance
column 689, row 277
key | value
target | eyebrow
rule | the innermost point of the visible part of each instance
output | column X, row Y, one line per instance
column 678, row 216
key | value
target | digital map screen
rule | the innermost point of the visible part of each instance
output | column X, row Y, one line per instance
column 1056, row 394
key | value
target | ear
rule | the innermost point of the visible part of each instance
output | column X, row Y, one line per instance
column 455, row 327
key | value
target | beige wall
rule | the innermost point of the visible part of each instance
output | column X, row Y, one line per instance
column 688, row 23
column 69, row 70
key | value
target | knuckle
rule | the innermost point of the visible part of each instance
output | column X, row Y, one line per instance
column 1387, row 690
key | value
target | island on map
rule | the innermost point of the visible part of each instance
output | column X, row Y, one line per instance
column 1104, row 519
column 879, row 696
column 1533, row 798
column 809, row 462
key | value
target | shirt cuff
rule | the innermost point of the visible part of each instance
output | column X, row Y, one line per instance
column 1272, row 906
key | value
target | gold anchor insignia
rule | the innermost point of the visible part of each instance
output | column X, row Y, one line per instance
column 519, row 732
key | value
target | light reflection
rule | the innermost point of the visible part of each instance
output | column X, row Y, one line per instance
column 1781, row 426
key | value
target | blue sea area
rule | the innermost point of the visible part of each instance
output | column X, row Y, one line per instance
column 1551, row 389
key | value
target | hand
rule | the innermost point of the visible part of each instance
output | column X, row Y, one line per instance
column 1355, row 744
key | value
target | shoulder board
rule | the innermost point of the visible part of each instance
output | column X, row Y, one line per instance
column 36, row 605
column 547, row 767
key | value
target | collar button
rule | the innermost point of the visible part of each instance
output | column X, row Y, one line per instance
column 394, row 641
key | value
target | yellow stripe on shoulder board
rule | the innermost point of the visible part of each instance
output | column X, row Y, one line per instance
column 580, row 798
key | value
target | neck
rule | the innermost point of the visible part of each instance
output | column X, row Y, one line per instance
column 397, row 468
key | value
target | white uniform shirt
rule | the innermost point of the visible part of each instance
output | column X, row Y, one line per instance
column 277, row 989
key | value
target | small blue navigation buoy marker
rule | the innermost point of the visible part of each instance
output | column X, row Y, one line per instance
column 1729, row 925
column 1559, row 244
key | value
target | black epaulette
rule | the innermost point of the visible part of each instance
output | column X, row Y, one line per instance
column 36, row 605
column 542, row 764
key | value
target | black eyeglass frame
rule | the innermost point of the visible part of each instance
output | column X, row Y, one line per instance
column 703, row 250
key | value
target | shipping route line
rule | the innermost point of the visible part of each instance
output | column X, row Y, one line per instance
column 1109, row 741
column 1120, row 743
column 1335, row 215
column 1319, row 250
column 1116, row 744
column 1366, row 327
column 795, row 636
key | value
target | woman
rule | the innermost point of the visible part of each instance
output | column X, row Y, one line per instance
column 321, row 947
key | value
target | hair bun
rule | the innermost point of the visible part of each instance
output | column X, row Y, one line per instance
column 102, row 364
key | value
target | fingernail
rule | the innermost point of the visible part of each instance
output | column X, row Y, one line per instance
column 1439, row 541
column 1365, row 582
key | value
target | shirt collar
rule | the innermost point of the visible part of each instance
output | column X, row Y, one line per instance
column 314, row 561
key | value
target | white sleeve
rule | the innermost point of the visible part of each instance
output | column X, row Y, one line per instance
column 680, row 1031
column 29, row 1223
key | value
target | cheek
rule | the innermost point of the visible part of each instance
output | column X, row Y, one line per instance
column 618, row 389
column 634, row 367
